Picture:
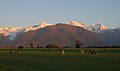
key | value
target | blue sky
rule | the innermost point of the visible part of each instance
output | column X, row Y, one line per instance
column 29, row 12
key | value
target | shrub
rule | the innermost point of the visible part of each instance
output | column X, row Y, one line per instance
column 52, row 46
column 41, row 46
column 20, row 47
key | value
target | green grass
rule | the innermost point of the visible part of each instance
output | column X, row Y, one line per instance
column 52, row 60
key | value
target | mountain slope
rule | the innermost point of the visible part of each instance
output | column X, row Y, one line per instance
column 4, row 41
column 13, row 32
column 111, row 36
column 60, row 34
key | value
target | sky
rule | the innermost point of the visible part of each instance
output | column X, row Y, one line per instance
column 24, row 13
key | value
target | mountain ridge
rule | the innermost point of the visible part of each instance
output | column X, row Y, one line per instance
column 10, row 34
column 59, row 34
column 13, row 31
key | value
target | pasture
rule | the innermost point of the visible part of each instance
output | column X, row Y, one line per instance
column 106, row 59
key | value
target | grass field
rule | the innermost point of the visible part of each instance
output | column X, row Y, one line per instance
column 52, row 60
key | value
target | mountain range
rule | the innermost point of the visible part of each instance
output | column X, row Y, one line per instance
column 62, row 34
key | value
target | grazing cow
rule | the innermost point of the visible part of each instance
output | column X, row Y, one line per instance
column 63, row 52
column 93, row 51
column 82, row 51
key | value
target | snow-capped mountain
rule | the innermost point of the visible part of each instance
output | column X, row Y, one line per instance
column 74, row 23
column 97, row 28
column 9, row 30
column 35, row 27
column 59, row 34
column 12, row 32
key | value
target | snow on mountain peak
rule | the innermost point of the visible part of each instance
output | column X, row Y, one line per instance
column 12, row 31
column 9, row 31
column 6, row 31
column 97, row 28
column 74, row 23
column 44, row 24
column 35, row 27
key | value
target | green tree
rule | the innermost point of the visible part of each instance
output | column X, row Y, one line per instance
column 78, row 43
